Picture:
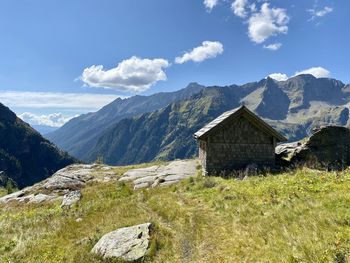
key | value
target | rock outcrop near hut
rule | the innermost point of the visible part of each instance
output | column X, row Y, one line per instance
column 328, row 147
column 67, row 183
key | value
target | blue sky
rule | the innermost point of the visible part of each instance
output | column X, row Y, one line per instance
column 60, row 58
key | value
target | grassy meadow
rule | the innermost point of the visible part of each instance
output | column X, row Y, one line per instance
column 297, row 216
column 3, row 191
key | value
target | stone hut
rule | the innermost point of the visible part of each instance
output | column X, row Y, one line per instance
column 236, row 139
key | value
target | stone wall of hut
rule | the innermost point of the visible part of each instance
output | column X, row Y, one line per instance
column 235, row 146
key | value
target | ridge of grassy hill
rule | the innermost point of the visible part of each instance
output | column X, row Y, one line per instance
column 296, row 216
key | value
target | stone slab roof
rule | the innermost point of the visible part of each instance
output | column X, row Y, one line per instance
column 214, row 123
column 232, row 114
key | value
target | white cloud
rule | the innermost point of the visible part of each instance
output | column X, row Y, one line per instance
column 317, row 72
column 278, row 76
column 320, row 13
column 132, row 75
column 55, row 100
column 266, row 23
column 207, row 50
column 252, row 7
column 263, row 21
column 52, row 120
column 210, row 4
column 273, row 47
column 324, row 11
column 239, row 8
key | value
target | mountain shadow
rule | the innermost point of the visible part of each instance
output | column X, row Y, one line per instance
column 25, row 156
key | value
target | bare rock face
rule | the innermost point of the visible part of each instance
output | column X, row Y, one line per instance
column 71, row 177
column 128, row 243
column 39, row 198
column 328, row 147
column 161, row 175
column 25, row 197
column 65, row 183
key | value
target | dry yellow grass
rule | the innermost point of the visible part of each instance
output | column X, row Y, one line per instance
column 301, row 216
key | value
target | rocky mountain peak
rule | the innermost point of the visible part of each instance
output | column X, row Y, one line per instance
column 164, row 130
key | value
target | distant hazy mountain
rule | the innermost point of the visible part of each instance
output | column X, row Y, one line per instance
column 294, row 107
column 25, row 156
column 161, row 126
column 80, row 134
column 44, row 129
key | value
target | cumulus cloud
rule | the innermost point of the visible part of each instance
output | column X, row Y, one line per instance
column 317, row 72
column 263, row 21
column 132, row 75
column 273, row 47
column 252, row 7
column 207, row 50
column 278, row 76
column 56, row 100
column 320, row 12
column 266, row 23
column 210, row 4
column 239, row 8
column 52, row 120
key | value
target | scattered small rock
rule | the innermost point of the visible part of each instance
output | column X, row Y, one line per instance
column 128, row 243
column 141, row 185
column 83, row 241
column 157, row 182
column 71, row 198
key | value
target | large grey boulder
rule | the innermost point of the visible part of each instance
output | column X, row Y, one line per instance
column 328, row 147
column 128, row 243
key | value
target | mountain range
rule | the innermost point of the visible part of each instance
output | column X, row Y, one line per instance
column 80, row 134
column 144, row 128
column 25, row 156
column 44, row 129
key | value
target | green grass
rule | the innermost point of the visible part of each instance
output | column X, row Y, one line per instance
column 3, row 191
column 301, row 216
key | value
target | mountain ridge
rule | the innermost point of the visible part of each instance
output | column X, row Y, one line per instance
column 166, row 133
column 25, row 156
column 81, row 133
